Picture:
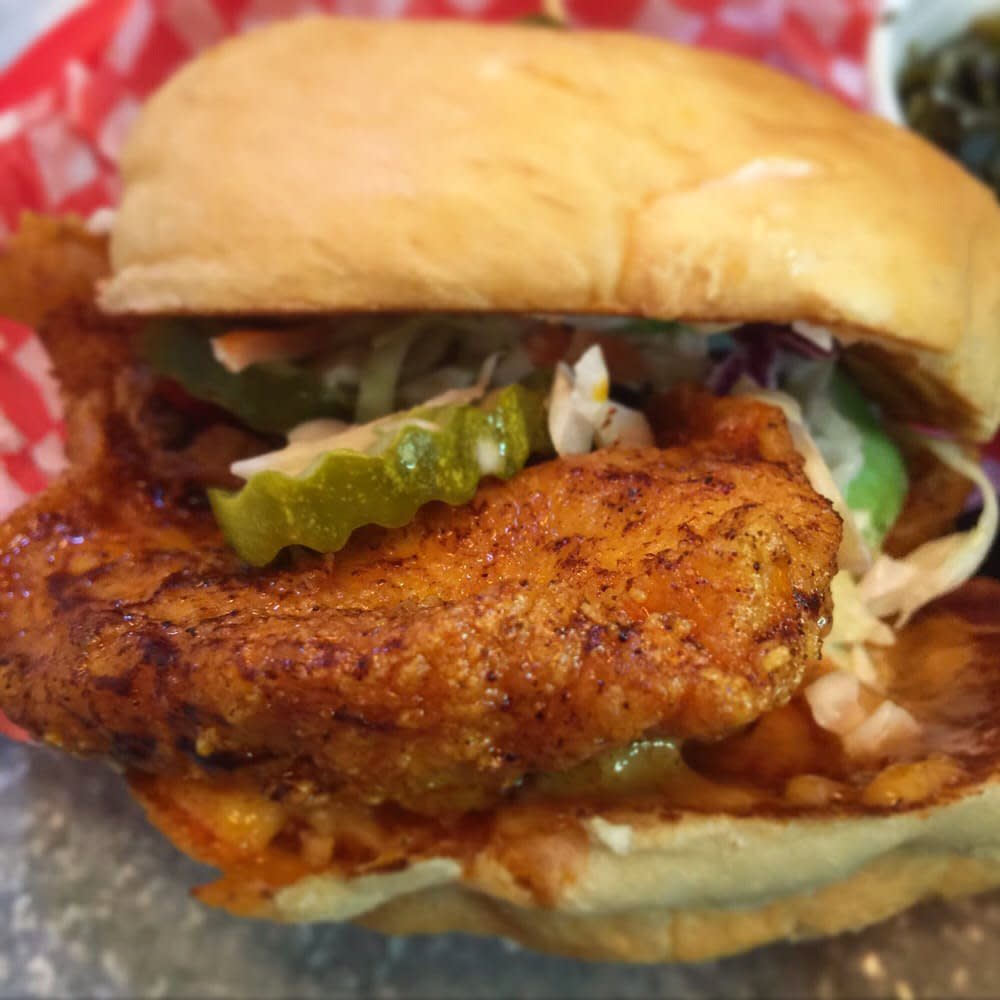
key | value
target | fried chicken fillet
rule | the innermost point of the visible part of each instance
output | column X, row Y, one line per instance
column 589, row 602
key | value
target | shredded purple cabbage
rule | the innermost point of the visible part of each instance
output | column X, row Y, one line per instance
column 991, row 466
column 726, row 374
column 786, row 338
column 756, row 353
column 974, row 501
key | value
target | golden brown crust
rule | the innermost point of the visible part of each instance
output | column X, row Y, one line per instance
column 559, row 172
column 48, row 262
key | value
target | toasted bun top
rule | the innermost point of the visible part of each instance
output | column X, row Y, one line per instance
column 327, row 165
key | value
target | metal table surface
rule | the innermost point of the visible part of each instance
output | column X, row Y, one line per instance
column 93, row 902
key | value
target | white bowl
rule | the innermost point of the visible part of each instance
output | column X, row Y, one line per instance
column 903, row 25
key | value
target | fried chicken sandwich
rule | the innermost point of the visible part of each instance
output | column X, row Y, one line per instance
column 513, row 489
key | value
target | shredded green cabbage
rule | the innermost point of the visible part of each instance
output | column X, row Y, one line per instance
column 898, row 588
column 377, row 388
column 865, row 463
column 854, row 554
column 271, row 397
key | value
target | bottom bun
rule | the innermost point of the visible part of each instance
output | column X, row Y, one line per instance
column 719, row 888
column 640, row 889
column 662, row 933
column 737, row 845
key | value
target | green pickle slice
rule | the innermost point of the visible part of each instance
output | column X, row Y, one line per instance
column 880, row 486
column 641, row 767
column 272, row 397
column 426, row 454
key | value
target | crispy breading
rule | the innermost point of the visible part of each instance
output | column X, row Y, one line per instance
column 586, row 603
column 48, row 262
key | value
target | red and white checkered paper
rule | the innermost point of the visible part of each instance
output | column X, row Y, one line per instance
column 66, row 106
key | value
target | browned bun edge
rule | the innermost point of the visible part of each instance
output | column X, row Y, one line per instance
column 330, row 165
